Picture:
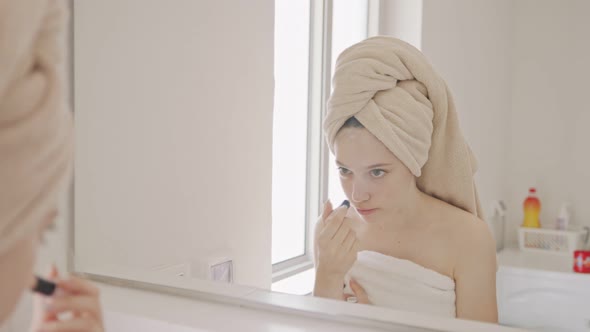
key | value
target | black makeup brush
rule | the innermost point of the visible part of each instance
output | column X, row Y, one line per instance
column 44, row 287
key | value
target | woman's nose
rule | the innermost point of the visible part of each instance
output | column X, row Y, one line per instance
column 359, row 192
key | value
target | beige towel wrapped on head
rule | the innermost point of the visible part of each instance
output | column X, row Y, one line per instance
column 393, row 91
column 35, row 126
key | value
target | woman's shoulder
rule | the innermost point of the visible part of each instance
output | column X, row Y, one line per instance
column 471, row 238
column 466, row 232
column 460, row 221
column 467, row 225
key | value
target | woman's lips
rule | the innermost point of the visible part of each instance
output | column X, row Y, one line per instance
column 366, row 212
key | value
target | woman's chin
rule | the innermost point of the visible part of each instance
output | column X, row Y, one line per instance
column 368, row 216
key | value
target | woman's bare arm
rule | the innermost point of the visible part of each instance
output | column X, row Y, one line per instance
column 475, row 274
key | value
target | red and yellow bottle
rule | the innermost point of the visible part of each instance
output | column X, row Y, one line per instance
column 532, row 209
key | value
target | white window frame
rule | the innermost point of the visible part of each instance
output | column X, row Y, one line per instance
column 320, row 53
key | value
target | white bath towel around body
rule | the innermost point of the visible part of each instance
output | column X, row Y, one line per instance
column 403, row 285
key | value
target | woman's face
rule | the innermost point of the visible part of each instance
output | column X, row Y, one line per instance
column 16, row 267
column 375, row 182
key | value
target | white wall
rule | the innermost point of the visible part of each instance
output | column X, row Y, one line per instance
column 173, row 104
column 469, row 43
column 517, row 70
column 550, row 112
column 402, row 19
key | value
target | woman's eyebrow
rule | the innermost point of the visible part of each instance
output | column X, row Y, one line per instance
column 371, row 166
column 379, row 165
column 340, row 164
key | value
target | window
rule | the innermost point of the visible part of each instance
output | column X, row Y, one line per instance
column 349, row 26
column 309, row 35
column 290, row 119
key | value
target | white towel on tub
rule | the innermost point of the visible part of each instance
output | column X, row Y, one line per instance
column 403, row 285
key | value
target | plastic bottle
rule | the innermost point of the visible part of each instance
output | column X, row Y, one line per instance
column 532, row 209
column 563, row 219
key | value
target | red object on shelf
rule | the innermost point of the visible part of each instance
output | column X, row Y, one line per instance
column 582, row 261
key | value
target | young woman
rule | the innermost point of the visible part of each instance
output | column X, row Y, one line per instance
column 413, row 238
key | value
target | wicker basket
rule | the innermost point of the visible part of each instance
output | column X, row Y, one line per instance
column 552, row 240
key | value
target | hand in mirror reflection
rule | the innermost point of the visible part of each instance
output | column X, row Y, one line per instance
column 336, row 248
column 359, row 296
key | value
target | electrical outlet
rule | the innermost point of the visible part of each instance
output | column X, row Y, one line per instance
column 222, row 271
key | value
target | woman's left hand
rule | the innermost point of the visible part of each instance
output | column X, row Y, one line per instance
column 359, row 293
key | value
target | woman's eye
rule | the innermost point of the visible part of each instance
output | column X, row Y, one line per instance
column 343, row 171
column 377, row 173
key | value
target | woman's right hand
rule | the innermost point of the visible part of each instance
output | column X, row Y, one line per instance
column 73, row 295
column 336, row 247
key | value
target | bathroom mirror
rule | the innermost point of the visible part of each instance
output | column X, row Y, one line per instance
column 199, row 149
